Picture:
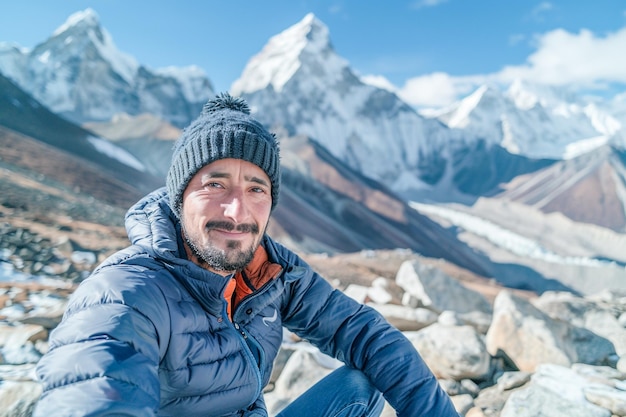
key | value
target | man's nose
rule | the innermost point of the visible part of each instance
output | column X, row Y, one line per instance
column 234, row 208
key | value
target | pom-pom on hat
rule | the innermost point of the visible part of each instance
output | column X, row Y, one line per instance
column 223, row 130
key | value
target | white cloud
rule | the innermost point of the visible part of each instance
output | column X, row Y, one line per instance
column 516, row 39
column 539, row 10
column 432, row 90
column 335, row 9
column 568, row 58
column 581, row 60
column 418, row 4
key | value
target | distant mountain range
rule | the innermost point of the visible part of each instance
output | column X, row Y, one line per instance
column 355, row 155
column 80, row 74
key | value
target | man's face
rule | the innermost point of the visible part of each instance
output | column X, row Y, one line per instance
column 225, row 210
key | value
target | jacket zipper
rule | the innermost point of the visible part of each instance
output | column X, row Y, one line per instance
column 256, row 344
column 248, row 353
column 252, row 340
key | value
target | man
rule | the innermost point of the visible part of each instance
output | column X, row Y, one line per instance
column 188, row 320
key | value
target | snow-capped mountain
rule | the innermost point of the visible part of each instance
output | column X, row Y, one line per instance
column 78, row 72
column 536, row 124
column 301, row 83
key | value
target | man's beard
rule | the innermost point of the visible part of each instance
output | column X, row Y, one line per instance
column 234, row 258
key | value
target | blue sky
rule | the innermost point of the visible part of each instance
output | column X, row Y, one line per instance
column 431, row 51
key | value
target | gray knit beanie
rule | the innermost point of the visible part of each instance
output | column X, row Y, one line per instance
column 223, row 130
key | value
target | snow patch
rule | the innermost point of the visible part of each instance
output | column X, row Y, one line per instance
column 116, row 152
column 379, row 81
column 44, row 58
column 581, row 147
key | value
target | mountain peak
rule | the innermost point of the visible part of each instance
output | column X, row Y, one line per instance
column 308, row 20
column 282, row 56
column 484, row 96
column 309, row 28
column 81, row 32
column 87, row 18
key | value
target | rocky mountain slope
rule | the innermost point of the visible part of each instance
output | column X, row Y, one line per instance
column 21, row 113
column 588, row 189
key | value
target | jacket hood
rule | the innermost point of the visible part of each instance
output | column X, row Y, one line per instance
column 151, row 224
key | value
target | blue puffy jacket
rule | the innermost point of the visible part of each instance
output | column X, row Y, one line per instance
column 147, row 334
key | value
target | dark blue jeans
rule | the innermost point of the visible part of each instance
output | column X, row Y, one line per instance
column 343, row 393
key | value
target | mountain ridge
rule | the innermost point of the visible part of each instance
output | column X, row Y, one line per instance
column 97, row 81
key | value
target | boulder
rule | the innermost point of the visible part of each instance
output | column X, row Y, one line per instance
column 379, row 291
column 528, row 337
column 555, row 391
column 438, row 291
column 455, row 352
column 602, row 318
column 302, row 371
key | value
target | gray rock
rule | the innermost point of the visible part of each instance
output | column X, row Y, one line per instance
column 438, row 291
column 455, row 352
column 510, row 380
column 607, row 397
column 491, row 400
column 17, row 342
column 538, row 401
column 462, row 403
column 17, row 399
column 301, row 372
column 529, row 337
column 600, row 315
column 406, row 318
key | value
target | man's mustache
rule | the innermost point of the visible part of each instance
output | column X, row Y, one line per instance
column 228, row 226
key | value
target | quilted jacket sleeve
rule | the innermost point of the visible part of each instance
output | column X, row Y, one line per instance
column 361, row 338
column 103, row 357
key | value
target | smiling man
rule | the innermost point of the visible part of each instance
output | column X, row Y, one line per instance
column 187, row 321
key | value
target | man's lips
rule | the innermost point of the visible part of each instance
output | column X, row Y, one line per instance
column 228, row 234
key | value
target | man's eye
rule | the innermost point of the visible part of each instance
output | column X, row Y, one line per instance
column 212, row 185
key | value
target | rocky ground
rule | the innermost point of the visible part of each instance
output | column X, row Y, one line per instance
column 497, row 352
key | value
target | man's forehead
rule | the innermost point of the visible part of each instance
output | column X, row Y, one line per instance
column 228, row 168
